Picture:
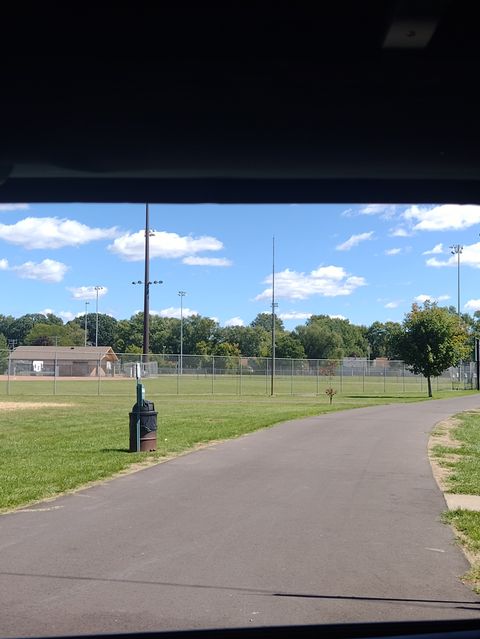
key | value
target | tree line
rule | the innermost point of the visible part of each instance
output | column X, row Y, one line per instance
column 321, row 337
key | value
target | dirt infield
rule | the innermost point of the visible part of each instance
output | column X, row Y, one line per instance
column 10, row 406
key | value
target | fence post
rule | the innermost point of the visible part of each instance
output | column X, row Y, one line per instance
column 240, row 373
column 341, row 377
column 98, row 376
column 291, row 377
column 318, row 373
column 364, row 379
column 55, row 374
column 266, row 376
column 384, row 379
column 213, row 374
column 178, row 375
column 8, row 376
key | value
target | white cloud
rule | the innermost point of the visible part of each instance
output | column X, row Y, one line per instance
column 206, row 261
column 438, row 263
column 470, row 256
column 14, row 207
column 46, row 271
column 172, row 311
column 436, row 250
column 347, row 213
column 385, row 210
column 328, row 281
column 354, row 240
column 68, row 316
column 399, row 232
column 86, row 292
column 131, row 246
column 421, row 299
column 472, row 305
column 235, row 321
column 393, row 251
column 342, row 317
column 3, row 264
column 51, row 233
column 46, row 311
column 392, row 304
column 294, row 315
column 444, row 217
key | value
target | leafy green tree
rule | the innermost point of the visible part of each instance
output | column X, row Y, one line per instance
column 198, row 329
column 431, row 340
column 381, row 338
column 3, row 354
column 55, row 335
column 335, row 337
column 164, row 334
column 6, row 322
column 106, row 328
column 50, row 318
column 264, row 320
column 136, row 350
column 128, row 333
column 226, row 349
column 20, row 328
column 252, row 341
column 319, row 341
column 289, row 346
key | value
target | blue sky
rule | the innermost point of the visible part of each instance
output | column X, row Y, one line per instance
column 363, row 262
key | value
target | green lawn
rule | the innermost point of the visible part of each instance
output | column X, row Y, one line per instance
column 46, row 450
column 463, row 463
column 227, row 384
column 464, row 475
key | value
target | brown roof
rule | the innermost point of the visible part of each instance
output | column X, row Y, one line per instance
column 77, row 353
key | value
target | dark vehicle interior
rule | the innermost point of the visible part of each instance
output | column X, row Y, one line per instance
column 246, row 103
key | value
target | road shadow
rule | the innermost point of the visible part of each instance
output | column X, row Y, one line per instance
column 430, row 603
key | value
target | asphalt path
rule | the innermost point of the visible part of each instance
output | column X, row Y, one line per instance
column 334, row 518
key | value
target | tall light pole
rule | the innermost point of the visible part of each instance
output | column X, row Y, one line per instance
column 146, row 289
column 146, row 286
column 456, row 249
column 274, row 306
column 97, row 289
column 86, row 309
column 182, row 295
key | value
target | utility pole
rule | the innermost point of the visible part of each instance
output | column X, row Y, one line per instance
column 182, row 295
column 146, row 289
column 457, row 249
column 97, row 288
column 274, row 305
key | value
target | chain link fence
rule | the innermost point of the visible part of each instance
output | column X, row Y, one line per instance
column 218, row 375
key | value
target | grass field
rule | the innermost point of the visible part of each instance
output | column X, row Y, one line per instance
column 462, row 460
column 208, row 384
column 55, row 444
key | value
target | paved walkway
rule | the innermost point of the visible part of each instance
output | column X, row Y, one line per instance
column 333, row 518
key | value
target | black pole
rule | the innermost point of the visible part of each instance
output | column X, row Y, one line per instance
column 477, row 361
column 272, row 381
column 146, row 290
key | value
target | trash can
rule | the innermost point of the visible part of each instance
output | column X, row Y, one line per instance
column 148, row 427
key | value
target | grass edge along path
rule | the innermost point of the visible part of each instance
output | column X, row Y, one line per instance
column 52, row 448
column 454, row 453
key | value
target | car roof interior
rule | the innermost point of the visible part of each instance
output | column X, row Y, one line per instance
column 267, row 102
